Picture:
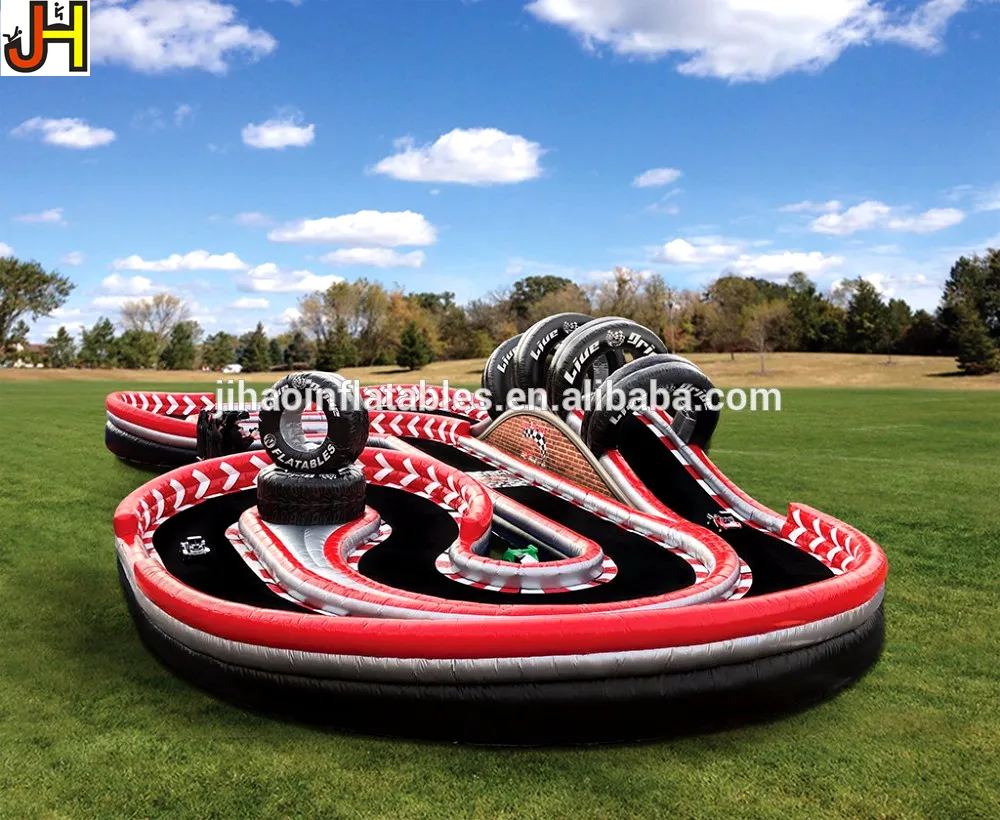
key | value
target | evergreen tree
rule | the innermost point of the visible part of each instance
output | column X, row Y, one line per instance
column 338, row 351
column 414, row 352
column 898, row 318
column 276, row 352
column 977, row 352
column 923, row 337
column 180, row 352
column 137, row 349
column 61, row 349
column 218, row 350
column 866, row 317
column 99, row 348
column 299, row 353
column 255, row 355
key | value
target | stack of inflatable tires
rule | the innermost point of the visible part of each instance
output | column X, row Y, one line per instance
column 312, row 483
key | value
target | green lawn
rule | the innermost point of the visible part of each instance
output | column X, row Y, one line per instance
column 90, row 724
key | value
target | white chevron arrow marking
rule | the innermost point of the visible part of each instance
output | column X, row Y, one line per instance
column 179, row 489
column 232, row 472
column 171, row 404
column 412, row 427
column 159, row 504
column 203, row 482
column 157, row 403
column 394, row 426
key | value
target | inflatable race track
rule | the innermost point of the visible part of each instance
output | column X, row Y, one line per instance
column 471, row 571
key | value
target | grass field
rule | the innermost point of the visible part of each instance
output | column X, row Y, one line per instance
column 91, row 725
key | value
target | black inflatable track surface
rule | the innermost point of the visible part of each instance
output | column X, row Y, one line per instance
column 775, row 564
column 422, row 531
column 221, row 573
column 451, row 456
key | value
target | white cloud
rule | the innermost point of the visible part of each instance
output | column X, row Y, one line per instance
column 195, row 260
column 121, row 289
column 68, row 132
column 162, row 35
column 52, row 216
column 872, row 214
column 780, row 265
column 936, row 219
column 129, row 285
column 182, row 113
column 989, row 200
column 249, row 303
column 809, row 207
column 279, row 133
column 289, row 315
column 742, row 40
column 699, row 250
column 364, row 228
column 656, row 177
column 66, row 313
column 253, row 219
column 6, row 250
column 269, row 278
column 374, row 257
column 73, row 258
column 473, row 156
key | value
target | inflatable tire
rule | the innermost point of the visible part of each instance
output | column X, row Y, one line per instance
column 694, row 425
column 576, row 357
column 145, row 453
column 498, row 375
column 308, row 500
column 281, row 431
column 538, row 342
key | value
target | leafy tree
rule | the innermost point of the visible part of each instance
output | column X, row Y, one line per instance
column 764, row 323
column 26, row 288
column 414, row 351
column 977, row 352
column 19, row 333
column 137, row 349
column 61, row 349
column 867, row 316
column 526, row 292
column 180, row 352
column 254, row 353
column 729, row 298
column 300, row 351
column 618, row 296
column 218, row 350
column 158, row 314
column 99, row 348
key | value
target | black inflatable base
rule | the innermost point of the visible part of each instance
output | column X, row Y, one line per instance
column 529, row 714
column 145, row 453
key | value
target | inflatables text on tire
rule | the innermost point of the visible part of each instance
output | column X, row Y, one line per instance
column 281, row 431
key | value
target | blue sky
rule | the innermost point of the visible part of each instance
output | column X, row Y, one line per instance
column 242, row 156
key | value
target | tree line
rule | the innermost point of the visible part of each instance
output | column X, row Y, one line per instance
column 363, row 323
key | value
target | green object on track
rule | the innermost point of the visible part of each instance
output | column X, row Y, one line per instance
column 518, row 556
